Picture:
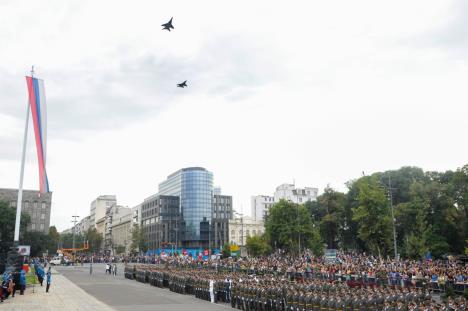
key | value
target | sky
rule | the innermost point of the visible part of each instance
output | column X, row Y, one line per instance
column 311, row 92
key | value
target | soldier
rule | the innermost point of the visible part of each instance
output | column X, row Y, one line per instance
column 331, row 303
column 400, row 306
column 388, row 306
column 339, row 303
column 323, row 302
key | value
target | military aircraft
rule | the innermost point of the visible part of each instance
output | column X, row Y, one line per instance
column 168, row 25
column 183, row 84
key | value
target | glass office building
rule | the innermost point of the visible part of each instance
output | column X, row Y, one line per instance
column 194, row 187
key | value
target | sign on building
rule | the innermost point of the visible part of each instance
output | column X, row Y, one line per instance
column 24, row 250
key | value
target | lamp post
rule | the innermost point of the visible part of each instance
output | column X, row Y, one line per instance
column 74, row 221
column 242, row 229
column 390, row 198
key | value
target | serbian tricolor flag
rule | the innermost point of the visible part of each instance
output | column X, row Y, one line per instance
column 37, row 102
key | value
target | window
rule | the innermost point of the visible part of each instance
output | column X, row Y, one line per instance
column 42, row 226
column 254, row 232
column 12, row 204
column 33, row 226
column 42, row 216
column 35, row 204
column 43, row 205
column 248, row 232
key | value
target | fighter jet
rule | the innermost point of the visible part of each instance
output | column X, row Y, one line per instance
column 168, row 25
column 183, row 84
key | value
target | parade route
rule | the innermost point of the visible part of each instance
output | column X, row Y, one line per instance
column 122, row 294
column 63, row 295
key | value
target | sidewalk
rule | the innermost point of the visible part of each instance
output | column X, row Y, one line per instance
column 63, row 295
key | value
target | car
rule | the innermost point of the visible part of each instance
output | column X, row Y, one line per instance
column 56, row 261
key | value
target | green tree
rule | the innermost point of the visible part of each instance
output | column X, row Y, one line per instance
column 94, row 240
column 373, row 216
column 40, row 243
column 120, row 249
column 332, row 223
column 138, row 240
column 7, row 227
column 257, row 245
column 289, row 224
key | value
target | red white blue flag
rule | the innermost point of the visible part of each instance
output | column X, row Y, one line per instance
column 37, row 103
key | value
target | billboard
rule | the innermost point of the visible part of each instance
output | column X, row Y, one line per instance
column 24, row 250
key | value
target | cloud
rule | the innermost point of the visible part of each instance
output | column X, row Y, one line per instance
column 452, row 35
column 134, row 86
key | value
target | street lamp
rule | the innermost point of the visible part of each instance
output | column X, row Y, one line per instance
column 390, row 197
column 242, row 229
column 74, row 221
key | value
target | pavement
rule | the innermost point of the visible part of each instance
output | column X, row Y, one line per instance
column 123, row 294
column 74, row 288
column 62, row 295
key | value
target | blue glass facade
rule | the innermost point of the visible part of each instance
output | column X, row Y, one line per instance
column 194, row 187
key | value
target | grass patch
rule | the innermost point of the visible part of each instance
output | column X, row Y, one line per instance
column 31, row 277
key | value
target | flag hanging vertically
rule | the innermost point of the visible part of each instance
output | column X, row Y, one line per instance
column 37, row 103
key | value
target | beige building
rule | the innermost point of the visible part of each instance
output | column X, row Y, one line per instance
column 98, row 208
column 122, row 232
column 101, row 229
column 243, row 227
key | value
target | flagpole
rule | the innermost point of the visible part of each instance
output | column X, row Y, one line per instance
column 20, row 188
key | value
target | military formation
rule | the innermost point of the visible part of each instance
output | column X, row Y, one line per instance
column 274, row 293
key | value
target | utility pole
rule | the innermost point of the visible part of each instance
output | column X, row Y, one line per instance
column 74, row 221
column 390, row 189
column 298, row 229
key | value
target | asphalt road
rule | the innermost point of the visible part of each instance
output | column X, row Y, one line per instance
column 123, row 294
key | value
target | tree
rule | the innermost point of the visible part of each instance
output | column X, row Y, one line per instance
column 289, row 224
column 94, row 239
column 120, row 249
column 332, row 223
column 7, row 226
column 373, row 216
column 40, row 243
column 138, row 240
column 257, row 245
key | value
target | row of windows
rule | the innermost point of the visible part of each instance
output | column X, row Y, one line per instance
column 26, row 204
column 33, row 227
column 247, row 232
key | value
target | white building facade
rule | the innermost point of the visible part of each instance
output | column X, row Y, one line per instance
column 83, row 226
column 290, row 192
column 260, row 204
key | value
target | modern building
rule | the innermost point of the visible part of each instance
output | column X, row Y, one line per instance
column 243, row 227
column 161, row 222
column 99, row 206
column 222, row 212
column 194, row 187
column 290, row 192
column 37, row 205
column 260, row 205
column 122, row 232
